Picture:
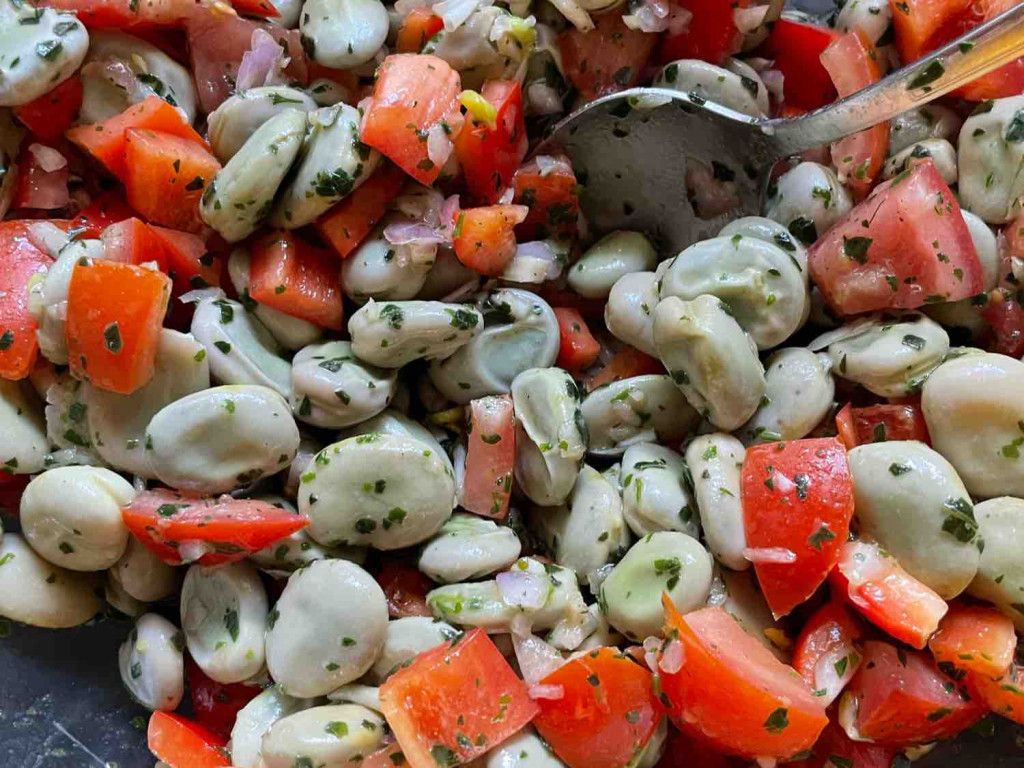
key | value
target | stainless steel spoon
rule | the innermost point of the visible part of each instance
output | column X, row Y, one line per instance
column 631, row 149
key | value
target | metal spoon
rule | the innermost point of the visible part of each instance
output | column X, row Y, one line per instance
column 631, row 149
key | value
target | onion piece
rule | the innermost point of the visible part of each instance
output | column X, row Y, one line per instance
column 521, row 589
column 543, row 99
column 534, row 262
column 412, row 232
column 652, row 647
column 649, row 16
column 548, row 164
column 455, row 13
column 192, row 550
column 672, row 657
column 678, row 20
column 748, row 20
column 439, row 146
column 47, row 158
column 779, row 555
column 262, row 64
column 549, row 692
column 537, row 659
column 775, row 81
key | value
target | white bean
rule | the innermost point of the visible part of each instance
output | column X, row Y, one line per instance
column 798, row 394
column 332, row 736
column 143, row 575
column 23, row 427
column 406, row 638
column 39, row 49
column 743, row 93
column 808, row 200
column 771, row 232
column 990, row 149
column 940, row 152
column 715, row 464
column 48, row 298
column 151, row 663
column 36, row 592
column 468, row 547
column 933, row 121
column 254, row 720
column 524, row 750
column 654, row 494
column 614, row 255
column 966, row 313
column 326, row 92
column 628, row 314
column 392, row 422
column 67, row 422
column 315, row 645
column 331, row 388
column 447, row 274
column 392, row 334
column 224, row 615
column 384, row 272
column 232, row 123
column 1000, row 577
column 343, row 33
column 220, row 438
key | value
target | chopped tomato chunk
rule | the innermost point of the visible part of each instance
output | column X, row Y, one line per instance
column 490, row 154
column 216, row 704
column 255, row 8
column 796, row 49
column 902, row 698
column 485, row 239
column 825, row 654
column 797, row 503
column 102, row 211
column 733, row 693
column 22, row 261
column 189, row 264
column 490, row 456
column 107, row 141
column 845, row 427
column 39, row 188
column 297, row 278
column 166, row 177
column 414, row 92
column 607, row 59
column 1005, row 316
column 417, row 28
column 975, row 639
column 1003, row 695
column 904, row 246
column 606, row 714
column 115, row 312
column 887, row 595
column 550, row 194
column 711, row 34
column 53, row 112
column 232, row 529
column 133, row 242
column 876, row 423
column 455, row 702
column 345, row 225
column 577, row 346
column 183, row 743
column 405, row 587
column 628, row 362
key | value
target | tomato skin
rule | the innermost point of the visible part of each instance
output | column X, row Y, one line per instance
column 711, row 34
column 216, row 704
column 107, row 141
column 405, row 587
column 297, row 278
column 628, row 362
column 903, row 698
column 133, row 242
column 730, row 689
column 852, row 63
column 608, row 58
column 255, row 8
column 890, row 422
column 236, row 527
column 607, row 713
column 796, row 49
column 417, row 28
column 1006, row 319
column 1003, row 695
column 826, row 639
column 39, row 189
column 875, row 584
column 485, row 238
column 121, row 14
column 577, row 347
column 974, row 639
column 464, row 687
column 348, row 223
column 490, row 156
column 845, row 428
column 183, row 743
column 20, row 263
column 102, row 211
column 551, row 199
column 491, row 454
column 52, row 113
column 188, row 262
column 413, row 93
column 906, row 217
column 797, row 495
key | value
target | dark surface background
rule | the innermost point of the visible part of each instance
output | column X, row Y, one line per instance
column 62, row 704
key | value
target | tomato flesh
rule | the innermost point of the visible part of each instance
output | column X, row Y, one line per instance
column 974, row 639
column 216, row 704
column 345, row 225
column 608, row 58
column 1006, row 319
column 297, row 278
column 102, row 211
column 1003, row 695
column 490, row 155
column 876, row 423
column 485, row 238
column 232, row 528
column 22, row 262
column 577, row 347
column 405, row 588
column 417, row 28
column 606, row 714
column 904, row 246
column 38, row 188
column 490, row 456
column 797, row 498
column 628, row 362
column 182, row 743
column 733, row 693
column 52, row 113
column 796, row 49
column 550, row 196
column 454, row 702
column 825, row 654
column 711, row 35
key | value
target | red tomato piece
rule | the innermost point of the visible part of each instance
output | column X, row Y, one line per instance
column 490, row 456
column 106, row 141
column 183, row 743
column 1006, row 318
column 798, row 499
column 233, row 528
column 455, row 702
column 825, row 654
column 844, row 426
column 102, row 211
column 628, row 362
column 38, row 188
column 119, row 14
column 115, row 312
column 1003, row 695
column 915, row 249
column 607, row 59
column 711, row 34
column 405, row 587
column 886, row 594
column 216, row 704
column 578, row 348
column 591, row 309
column 297, row 278
column 189, row 264
column 345, row 225
column 52, row 113
column 255, row 8
column 166, row 177
column 834, row 749
column 216, row 44
column 133, row 242
column 902, row 698
column 796, row 49
column 11, row 488
column 974, row 639
column 733, row 693
column 413, row 93
column 607, row 712
column 485, row 239
column 20, row 263
column 490, row 155
column 551, row 195
column 852, row 63
column 417, row 28
column 890, row 422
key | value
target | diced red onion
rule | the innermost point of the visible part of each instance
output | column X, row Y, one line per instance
column 534, row 262
column 650, row 16
column 766, row 762
column 262, row 64
column 47, row 158
column 548, row 164
column 549, row 692
column 439, row 146
column 412, row 232
column 779, row 555
column 749, row 19
column 678, row 20
column 775, row 81
column 672, row 657
column 537, row 659
column 652, row 647
column 826, row 675
column 522, row 589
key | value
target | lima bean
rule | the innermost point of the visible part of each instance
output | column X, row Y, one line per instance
column 468, row 547
column 151, row 663
column 715, row 462
column 654, row 494
column 640, row 409
column 614, row 255
column 331, row 388
column 392, row 334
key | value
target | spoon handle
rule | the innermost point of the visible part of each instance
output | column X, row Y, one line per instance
column 972, row 55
